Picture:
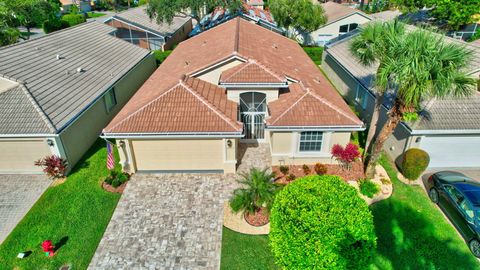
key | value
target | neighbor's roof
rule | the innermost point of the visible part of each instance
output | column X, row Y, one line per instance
column 446, row 114
column 139, row 17
column 58, row 92
column 247, row 41
column 386, row 15
column 335, row 11
column 255, row 2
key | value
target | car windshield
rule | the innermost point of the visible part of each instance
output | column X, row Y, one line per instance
column 467, row 210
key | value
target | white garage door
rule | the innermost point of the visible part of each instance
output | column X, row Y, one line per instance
column 452, row 152
column 178, row 155
column 18, row 156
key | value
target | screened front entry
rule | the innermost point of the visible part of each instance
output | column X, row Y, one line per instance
column 253, row 107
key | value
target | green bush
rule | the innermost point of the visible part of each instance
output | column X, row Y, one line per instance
column 319, row 222
column 368, row 188
column 315, row 54
column 284, row 169
column 50, row 26
column 73, row 19
column 115, row 179
column 161, row 56
column 414, row 163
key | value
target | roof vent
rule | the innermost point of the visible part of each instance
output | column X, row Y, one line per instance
column 59, row 56
column 80, row 70
column 187, row 63
column 275, row 46
column 204, row 43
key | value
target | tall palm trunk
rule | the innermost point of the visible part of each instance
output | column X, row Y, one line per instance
column 372, row 129
column 394, row 118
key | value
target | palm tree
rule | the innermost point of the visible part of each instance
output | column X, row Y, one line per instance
column 419, row 64
column 258, row 191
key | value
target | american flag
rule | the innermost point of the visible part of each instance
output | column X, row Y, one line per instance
column 110, row 158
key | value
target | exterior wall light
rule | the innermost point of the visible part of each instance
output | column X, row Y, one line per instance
column 229, row 143
column 418, row 139
column 50, row 142
column 122, row 144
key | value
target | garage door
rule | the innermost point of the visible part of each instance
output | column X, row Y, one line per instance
column 451, row 152
column 178, row 155
column 18, row 156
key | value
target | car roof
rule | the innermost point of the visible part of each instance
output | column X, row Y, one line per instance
column 451, row 176
column 471, row 190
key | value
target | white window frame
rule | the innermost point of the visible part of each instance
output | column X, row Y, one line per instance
column 110, row 94
column 349, row 26
column 361, row 98
column 310, row 151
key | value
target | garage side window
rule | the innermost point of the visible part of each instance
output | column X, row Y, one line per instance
column 110, row 100
column 310, row 141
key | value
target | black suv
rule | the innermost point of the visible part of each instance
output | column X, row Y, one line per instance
column 459, row 198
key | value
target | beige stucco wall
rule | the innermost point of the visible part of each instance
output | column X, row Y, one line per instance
column 213, row 75
column 18, row 155
column 284, row 148
column 334, row 28
column 78, row 137
column 181, row 154
column 234, row 94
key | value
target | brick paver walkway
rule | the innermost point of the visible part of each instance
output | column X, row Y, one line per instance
column 166, row 221
column 18, row 193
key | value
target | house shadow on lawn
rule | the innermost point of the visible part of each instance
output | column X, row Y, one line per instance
column 407, row 240
column 83, row 162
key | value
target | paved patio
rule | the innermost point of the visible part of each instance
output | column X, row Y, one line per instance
column 253, row 155
column 18, row 193
column 166, row 221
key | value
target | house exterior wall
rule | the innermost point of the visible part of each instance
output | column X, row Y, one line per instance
column 177, row 155
column 213, row 75
column 19, row 154
column 284, row 148
column 332, row 30
column 81, row 134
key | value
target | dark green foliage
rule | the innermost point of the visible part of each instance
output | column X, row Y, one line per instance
column 291, row 177
column 368, row 188
column 258, row 190
column 315, row 53
column 415, row 162
column 115, row 179
column 160, row 56
column 320, row 222
column 50, row 26
column 73, row 19
column 284, row 169
column 299, row 14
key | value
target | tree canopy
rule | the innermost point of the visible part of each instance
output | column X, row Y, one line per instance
column 299, row 14
column 165, row 10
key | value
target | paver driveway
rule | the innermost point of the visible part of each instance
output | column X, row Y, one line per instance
column 166, row 221
column 18, row 193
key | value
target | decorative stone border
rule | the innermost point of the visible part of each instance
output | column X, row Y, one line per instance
column 386, row 190
column 236, row 222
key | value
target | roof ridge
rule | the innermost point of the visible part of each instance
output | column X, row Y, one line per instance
column 37, row 107
column 207, row 103
column 329, row 104
column 237, row 36
column 290, row 108
column 269, row 70
column 144, row 106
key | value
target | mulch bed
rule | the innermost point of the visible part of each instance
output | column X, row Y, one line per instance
column 355, row 173
column 258, row 219
column 111, row 189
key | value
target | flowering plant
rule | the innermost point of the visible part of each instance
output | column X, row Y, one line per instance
column 346, row 155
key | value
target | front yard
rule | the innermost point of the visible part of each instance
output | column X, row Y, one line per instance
column 412, row 234
column 73, row 215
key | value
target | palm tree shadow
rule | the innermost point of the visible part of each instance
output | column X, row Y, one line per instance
column 61, row 243
column 410, row 241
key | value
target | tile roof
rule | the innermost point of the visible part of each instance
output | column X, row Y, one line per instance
column 191, row 106
column 139, row 17
column 48, row 67
column 250, row 72
column 335, row 11
column 239, row 38
column 444, row 114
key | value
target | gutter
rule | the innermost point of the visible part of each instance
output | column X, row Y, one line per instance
column 256, row 85
column 40, row 135
column 319, row 128
column 172, row 135
column 444, row 132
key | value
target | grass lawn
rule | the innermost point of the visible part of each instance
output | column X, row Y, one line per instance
column 412, row 234
column 95, row 14
column 249, row 252
column 315, row 54
column 75, row 214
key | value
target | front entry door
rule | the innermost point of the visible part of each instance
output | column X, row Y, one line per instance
column 253, row 108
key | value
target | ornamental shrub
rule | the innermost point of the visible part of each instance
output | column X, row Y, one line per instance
column 284, row 169
column 53, row 25
column 346, row 155
column 306, row 169
column 116, row 179
column 320, row 222
column 73, row 19
column 53, row 166
column 368, row 188
column 415, row 162
column 320, row 169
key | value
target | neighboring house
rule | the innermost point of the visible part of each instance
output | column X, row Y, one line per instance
column 449, row 129
column 135, row 26
column 235, row 83
column 83, row 5
column 255, row 3
column 58, row 91
column 340, row 21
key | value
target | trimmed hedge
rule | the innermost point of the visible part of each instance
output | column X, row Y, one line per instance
column 73, row 19
column 315, row 54
column 320, row 222
column 50, row 26
column 415, row 162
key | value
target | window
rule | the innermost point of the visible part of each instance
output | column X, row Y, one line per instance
column 456, row 196
column 361, row 96
column 347, row 28
column 110, row 100
column 311, row 141
column 467, row 210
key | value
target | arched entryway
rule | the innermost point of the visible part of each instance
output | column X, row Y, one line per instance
column 253, row 108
